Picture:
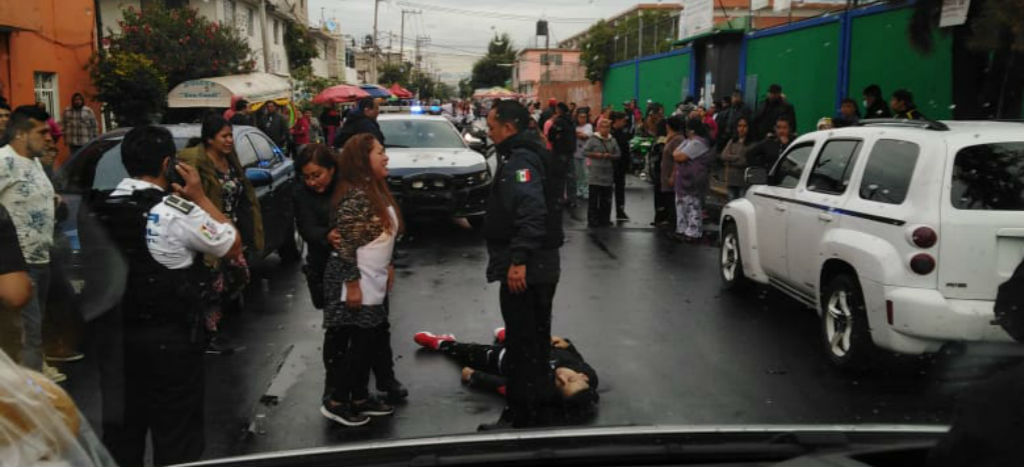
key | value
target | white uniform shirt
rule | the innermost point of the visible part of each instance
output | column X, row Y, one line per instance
column 178, row 229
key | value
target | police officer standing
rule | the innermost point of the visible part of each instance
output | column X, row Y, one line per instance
column 523, row 229
column 160, row 238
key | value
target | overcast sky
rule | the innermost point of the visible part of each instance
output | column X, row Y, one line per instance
column 458, row 38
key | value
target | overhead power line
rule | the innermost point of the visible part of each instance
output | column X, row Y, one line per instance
column 492, row 14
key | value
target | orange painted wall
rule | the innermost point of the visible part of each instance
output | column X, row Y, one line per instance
column 56, row 36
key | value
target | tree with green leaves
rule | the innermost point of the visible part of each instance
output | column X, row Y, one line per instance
column 465, row 88
column 391, row 73
column 308, row 85
column 597, row 49
column 130, row 86
column 181, row 44
column 495, row 68
column 300, row 45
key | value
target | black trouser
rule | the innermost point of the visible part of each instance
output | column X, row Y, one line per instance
column 527, row 318
column 477, row 356
column 163, row 396
column 599, row 207
column 349, row 354
column 621, row 167
column 664, row 206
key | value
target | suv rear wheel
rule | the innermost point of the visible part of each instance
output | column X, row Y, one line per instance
column 844, row 324
column 730, row 261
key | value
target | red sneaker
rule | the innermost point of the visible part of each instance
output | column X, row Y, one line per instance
column 432, row 341
column 499, row 335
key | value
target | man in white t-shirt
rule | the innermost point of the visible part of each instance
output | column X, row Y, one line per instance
column 27, row 194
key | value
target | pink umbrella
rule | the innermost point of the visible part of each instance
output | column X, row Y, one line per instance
column 398, row 91
column 340, row 93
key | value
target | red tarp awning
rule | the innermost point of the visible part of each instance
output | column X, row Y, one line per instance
column 340, row 93
column 400, row 92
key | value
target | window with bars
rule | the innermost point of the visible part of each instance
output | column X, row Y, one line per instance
column 46, row 90
column 229, row 12
column 250, row 21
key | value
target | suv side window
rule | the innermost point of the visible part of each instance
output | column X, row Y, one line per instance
column 788, row 170
column 832, row 170
column 887, row 174
column 989, row 177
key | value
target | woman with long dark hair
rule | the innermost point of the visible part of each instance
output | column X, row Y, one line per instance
column 690, row 180
column 357, row 279
column 317, row 165
column 224, row 182
column 734, row 155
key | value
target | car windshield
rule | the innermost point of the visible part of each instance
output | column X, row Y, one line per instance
column 742, row 231
column 416, row 133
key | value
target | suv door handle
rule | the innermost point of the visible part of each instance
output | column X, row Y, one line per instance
column 780, row 207
column 825, row 217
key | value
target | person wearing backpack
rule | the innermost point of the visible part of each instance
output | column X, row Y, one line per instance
column 523, row 229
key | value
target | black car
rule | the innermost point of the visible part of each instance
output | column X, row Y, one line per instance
column 96, row 169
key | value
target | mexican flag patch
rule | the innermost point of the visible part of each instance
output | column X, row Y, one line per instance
column 523, row 175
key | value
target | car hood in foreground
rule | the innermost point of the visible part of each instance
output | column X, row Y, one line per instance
column 408, row 161
column 604, row 445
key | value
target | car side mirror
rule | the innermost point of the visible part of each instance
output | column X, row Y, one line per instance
column 755, row 176
column 259, row 177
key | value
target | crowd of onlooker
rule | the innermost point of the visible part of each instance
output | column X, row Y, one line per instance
column 685, row 151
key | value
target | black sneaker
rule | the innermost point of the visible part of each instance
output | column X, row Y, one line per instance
column 621, row 215
column 343, row 414
column 372, row 407
column 219, row 345
column 394, row 390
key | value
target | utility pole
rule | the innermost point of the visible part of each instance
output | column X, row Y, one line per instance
column 420, row 41
column 401, row 40
column 373, row 45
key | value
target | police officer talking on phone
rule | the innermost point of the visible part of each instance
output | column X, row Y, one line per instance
column 523, row 229
column 161, row 238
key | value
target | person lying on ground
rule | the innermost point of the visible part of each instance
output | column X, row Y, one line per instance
column 484, row 367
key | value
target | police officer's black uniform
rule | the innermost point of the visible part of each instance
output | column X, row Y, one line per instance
column 524, row 227
column 162, row 341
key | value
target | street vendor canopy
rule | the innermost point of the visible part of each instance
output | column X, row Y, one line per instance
column 218, row 91
column 494, row 93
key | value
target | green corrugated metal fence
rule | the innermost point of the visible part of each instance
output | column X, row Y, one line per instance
column 875, row 60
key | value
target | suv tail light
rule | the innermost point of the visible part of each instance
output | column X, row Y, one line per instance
column 922, row 263
column 924, row 237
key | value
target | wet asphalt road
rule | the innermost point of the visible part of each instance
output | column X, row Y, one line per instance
column 646, row 312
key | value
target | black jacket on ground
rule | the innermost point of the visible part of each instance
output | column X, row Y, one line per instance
column 524, row 220
column 493, row 379
column 356, row 123
column 764, row 121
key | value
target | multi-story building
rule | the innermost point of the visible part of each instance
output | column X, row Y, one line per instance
column 261, row 23
column 537, row 66
column 45, row 46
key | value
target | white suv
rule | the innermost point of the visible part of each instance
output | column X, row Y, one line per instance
column 898, row 233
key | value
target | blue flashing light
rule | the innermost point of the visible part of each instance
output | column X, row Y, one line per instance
column 416, row 109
